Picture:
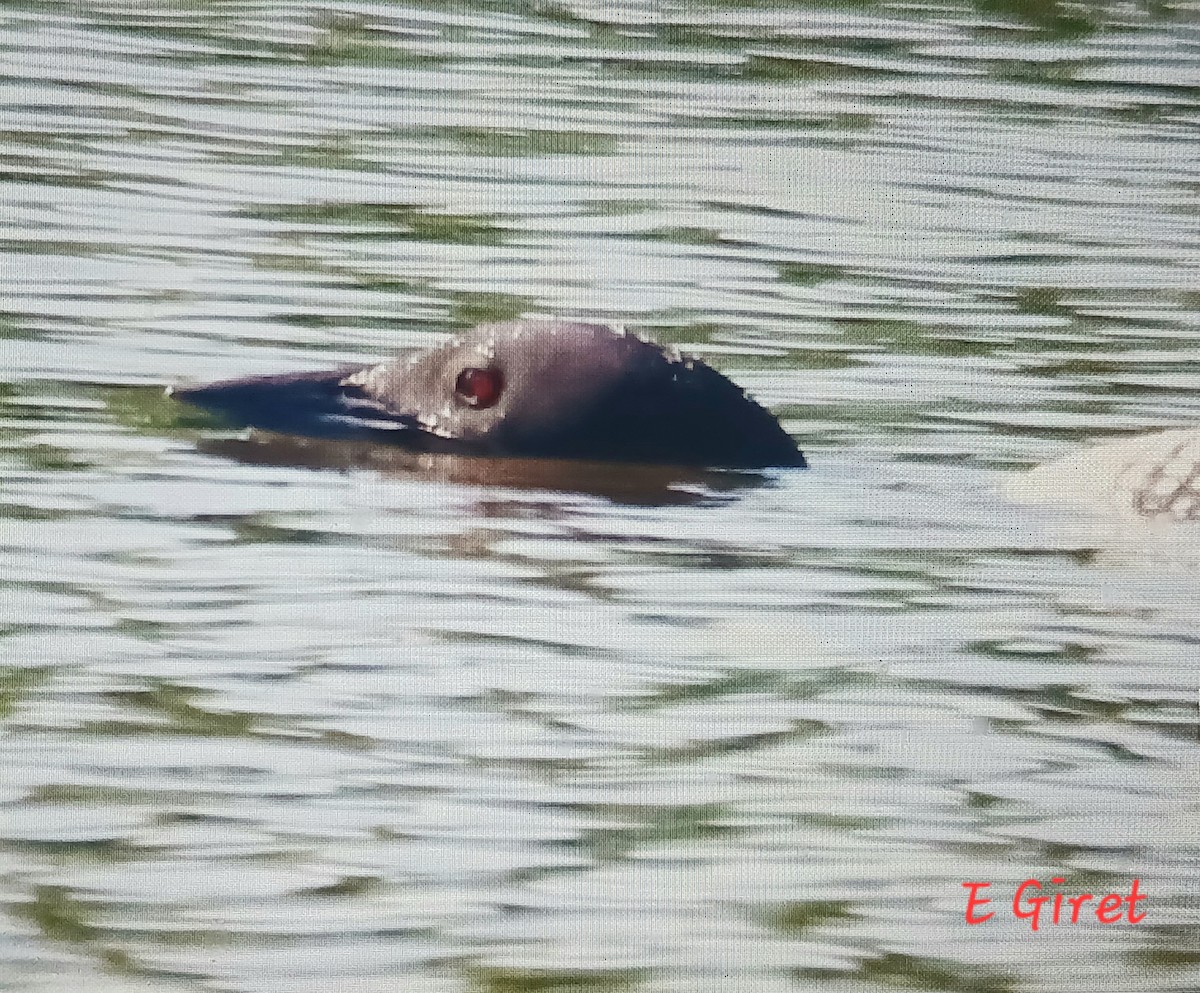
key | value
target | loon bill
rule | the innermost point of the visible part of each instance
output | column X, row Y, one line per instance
column 523, row 389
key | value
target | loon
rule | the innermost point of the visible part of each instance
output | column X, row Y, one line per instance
column 1154, row 475
column 522, row 389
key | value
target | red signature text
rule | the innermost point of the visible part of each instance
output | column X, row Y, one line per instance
column 1029, row 903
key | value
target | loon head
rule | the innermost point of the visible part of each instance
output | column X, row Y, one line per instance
column 524, row 389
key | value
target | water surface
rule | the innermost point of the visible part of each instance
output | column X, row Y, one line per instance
column 270, row 727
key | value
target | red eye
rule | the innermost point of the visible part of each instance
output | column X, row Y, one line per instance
column 479, row 387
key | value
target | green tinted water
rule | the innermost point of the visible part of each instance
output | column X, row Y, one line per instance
column 395, row 727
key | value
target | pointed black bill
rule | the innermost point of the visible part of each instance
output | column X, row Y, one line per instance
column 313, row 404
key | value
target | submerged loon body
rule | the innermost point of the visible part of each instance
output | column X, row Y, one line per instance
column 1154, row 475
column 524, row 389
